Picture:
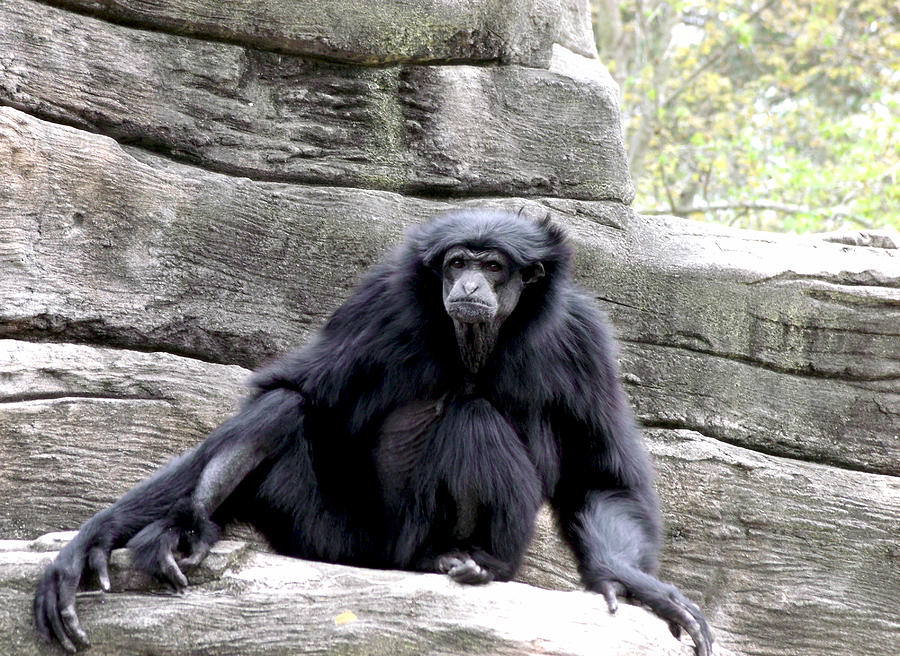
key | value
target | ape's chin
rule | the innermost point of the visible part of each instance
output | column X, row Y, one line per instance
column 469, row 312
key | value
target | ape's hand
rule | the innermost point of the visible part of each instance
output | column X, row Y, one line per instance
column 54, row 601
column 666, row 601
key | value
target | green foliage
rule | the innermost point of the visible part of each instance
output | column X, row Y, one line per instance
column 770, row 115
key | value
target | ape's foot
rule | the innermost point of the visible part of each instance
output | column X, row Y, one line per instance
column 166, row 546
column 462, row 568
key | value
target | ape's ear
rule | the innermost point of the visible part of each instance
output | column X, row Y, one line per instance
column 532, row 273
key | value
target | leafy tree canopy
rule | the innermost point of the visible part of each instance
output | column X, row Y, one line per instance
column 769, row 115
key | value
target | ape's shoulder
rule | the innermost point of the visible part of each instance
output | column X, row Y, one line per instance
column 380, row 326
column 576, row 323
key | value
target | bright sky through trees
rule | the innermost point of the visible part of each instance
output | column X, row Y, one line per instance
column 770, row 115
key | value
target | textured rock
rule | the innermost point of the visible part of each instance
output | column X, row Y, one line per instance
column 248, row 603
column 576, row 32
column 388, row 31
column 80, row 425
column 99, row 246
column 426, row 129
column 783, row 344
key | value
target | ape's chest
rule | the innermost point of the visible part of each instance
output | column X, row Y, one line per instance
column 405, row 436
column 464, row 446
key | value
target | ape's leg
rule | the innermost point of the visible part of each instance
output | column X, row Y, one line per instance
column 183, row 536
column 170, row 510
column 495, row 552
column 491, row 533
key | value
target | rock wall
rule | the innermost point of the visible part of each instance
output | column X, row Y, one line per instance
column 189, row 188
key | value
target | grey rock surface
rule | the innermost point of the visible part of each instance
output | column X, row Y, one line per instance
column 384, row 32
column 783, row 344
column 247, row 602
column 80, row 425
column 424, row 129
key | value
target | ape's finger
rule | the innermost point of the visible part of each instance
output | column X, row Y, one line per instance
column 51, row 608
column 704, row 631
column 40, row 614
column 696, row 627
column 609, row 590
column 172, row 573
column 73, row 626
column 470, row 573
column 447, row 562
column 675, row 629
column 200, row 552
column 65, row 609
column 98, row 562
column 702, row 645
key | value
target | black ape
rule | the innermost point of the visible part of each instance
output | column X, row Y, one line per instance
column 464, row 382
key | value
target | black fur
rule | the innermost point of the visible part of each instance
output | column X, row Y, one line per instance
column 374, row 445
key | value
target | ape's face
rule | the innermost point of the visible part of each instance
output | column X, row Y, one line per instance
column 480, row 286
column 481, row 289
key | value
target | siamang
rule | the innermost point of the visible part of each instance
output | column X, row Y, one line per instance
column 465, row 381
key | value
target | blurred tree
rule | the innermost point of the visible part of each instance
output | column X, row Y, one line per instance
column 769, row 115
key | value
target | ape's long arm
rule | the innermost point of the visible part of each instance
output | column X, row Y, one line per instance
column 167, row 513
column 607, row 506
column 612, row 542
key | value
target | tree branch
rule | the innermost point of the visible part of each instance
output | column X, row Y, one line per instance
column 784, row 208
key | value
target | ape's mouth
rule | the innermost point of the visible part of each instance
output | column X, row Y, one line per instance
column 471, row 311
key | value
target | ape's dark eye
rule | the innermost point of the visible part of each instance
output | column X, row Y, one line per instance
column 457, row 263
column 494, row 267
